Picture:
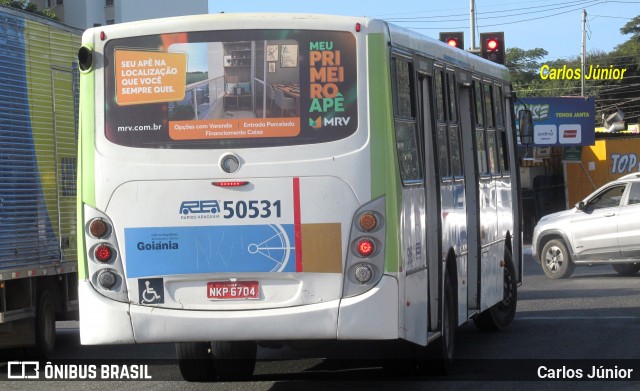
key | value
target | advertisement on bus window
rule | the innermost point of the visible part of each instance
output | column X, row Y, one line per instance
column 219, row 89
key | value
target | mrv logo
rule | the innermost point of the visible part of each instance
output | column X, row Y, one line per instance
column 326, row 121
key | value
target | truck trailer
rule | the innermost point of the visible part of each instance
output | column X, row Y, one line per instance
column 38, row 136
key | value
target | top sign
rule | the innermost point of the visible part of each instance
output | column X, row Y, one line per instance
column 561, row 121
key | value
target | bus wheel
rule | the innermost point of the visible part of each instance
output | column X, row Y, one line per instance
column 45, row 327
column 438, row 357
column 501, row 315
column 195, row 361
column 626, row 269
column 234, row 359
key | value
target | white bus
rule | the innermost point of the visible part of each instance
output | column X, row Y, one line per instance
column 264, row 177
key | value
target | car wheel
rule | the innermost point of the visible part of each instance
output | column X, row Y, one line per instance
column 555, row 259
column 626, row 269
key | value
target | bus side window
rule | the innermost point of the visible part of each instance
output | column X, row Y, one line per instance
column 441, row 124
column 481, row 151
column 477, row 98
column 488, row 104
column 492, row 149
column 454, row 129
column 406, row 123
column 502, row 134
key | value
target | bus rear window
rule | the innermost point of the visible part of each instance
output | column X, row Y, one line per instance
column 230, row 89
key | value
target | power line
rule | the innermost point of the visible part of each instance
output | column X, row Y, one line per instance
column 439, row 17
column 584, row 5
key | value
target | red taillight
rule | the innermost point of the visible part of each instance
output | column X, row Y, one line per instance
column 230, row 183
column 365, row 247
column 103, row 253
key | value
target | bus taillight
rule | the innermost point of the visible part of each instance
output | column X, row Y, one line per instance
column 107, row 279
column 230, row 183
column 363, row 273
column 103, row 253
column 368, row 221
column 365, row 247
column 98, row 228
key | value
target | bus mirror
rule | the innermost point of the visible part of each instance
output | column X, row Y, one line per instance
column 85, row 58
column 525, row 128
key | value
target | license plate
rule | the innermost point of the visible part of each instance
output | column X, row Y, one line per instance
column 226, row 290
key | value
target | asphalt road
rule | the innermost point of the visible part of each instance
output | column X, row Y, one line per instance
column 562, row 327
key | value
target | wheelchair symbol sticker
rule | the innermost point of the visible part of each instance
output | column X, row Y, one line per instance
column 151, row 290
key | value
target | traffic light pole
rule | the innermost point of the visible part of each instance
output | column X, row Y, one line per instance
column 472, row 17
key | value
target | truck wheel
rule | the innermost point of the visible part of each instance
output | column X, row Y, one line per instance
column 555, row 259
column 195, row 361
column 626, row 269
column 234, row 359
column 499, row 316
column 45, row 327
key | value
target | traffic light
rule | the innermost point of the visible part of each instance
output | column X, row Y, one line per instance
column 492, row 46
column 455, row 39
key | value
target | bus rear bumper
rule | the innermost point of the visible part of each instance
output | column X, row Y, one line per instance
column 372, row 315
column 103, row 321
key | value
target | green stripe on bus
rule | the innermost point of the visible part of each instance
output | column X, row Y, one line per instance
column 385, row 179
column 86, row 162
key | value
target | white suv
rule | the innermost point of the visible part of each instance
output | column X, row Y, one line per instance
column 602, row 229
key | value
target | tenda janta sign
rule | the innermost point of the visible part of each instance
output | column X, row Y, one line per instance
column 563, row 122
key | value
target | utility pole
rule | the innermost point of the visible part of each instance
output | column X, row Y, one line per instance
column 584, row 49
column 472, row 18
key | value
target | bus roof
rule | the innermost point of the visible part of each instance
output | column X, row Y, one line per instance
column 399, row 36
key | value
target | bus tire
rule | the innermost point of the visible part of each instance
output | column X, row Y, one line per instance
column 438, row 358
column 499, row 316
column 195, row 361
column 234, row 359
column 626, row 269
column 45, row 327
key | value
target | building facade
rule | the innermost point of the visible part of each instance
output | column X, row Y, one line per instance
column 90, row 13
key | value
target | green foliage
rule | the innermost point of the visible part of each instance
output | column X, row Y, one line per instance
column 29, row 7
column 632, row 27
column 193, row 77
column 48, row 13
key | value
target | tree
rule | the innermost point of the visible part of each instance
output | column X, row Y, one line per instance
column 525, row 67
column 25, row 5
column 632, row 27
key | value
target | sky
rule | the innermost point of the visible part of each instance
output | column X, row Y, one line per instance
column 554, row 25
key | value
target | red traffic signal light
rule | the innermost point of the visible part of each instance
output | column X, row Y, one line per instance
column 492, row 46
column 455, row 39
